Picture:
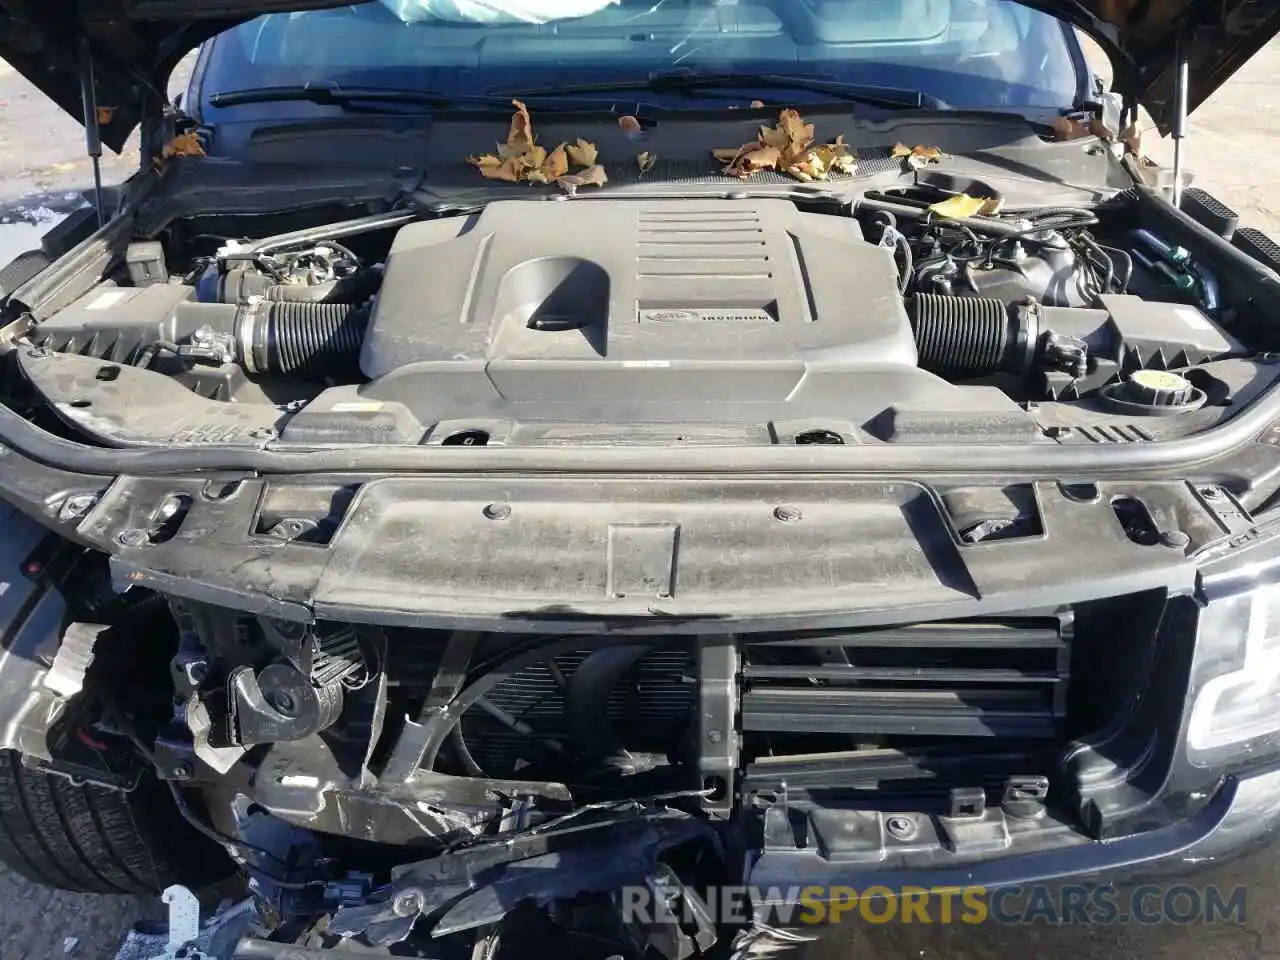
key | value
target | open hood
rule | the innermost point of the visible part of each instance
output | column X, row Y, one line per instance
column 134, row 44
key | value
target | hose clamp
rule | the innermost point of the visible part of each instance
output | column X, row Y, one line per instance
column 248, row 320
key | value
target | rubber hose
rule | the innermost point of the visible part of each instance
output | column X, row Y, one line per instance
column 304, row 338
column 966, row 337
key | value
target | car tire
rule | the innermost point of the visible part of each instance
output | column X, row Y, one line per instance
column 90, row 839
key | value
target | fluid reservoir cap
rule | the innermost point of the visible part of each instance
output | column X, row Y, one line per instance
column 1158, row 388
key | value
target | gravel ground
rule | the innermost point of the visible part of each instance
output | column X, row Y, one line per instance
column 1231, row 150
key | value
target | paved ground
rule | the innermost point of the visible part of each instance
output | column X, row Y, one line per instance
column 1232, row 149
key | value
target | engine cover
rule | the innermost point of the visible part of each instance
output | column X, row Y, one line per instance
column 656, row 301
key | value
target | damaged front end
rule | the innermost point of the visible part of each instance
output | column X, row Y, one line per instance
column 636, row 787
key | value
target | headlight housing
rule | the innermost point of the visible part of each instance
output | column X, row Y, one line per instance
column 1235, row 710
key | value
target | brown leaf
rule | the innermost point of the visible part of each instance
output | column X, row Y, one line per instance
column 557, row 164
column 106, row 115
column 808, row 168
column 494, row 168
column 646, row 161
column 629, row 124
column 183, row 145
column 591, row 177
column 521, row 134
column 798, row 133
column 773, row 137
column 583, row 153
column 837, row 157
column 919, row 153
column 758, row 157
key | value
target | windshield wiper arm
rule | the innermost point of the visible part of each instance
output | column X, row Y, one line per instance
column 333, row 94
column 892, row 98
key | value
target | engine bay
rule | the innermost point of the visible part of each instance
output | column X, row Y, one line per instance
column 690, row 321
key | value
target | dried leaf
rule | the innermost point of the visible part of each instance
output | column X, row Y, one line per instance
column 583, row 153
column 646, row 161
column 799, row 134
column 919, row 155
column 105, row 115
column 754, row 159
column 591, row 177
column 557, row 164
column 629, row 124
column 495, row 168
column 837, row 157
column 521, row 134
column 184, row 145
column 964, row 205
column 961, row 205
column 808, row 168
column 773, row 137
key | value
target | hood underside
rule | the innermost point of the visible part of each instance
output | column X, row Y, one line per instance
column 134, row 45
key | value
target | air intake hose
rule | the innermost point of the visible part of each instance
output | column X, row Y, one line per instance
column 300, row 338
column 965, row 337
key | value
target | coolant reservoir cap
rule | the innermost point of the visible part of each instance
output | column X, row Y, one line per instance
column 1153, row 393
column 1158, row 388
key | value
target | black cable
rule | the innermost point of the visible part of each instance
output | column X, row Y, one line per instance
column 1126, row 264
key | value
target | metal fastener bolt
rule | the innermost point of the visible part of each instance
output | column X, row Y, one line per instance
column 407, row 904
column 787, row 513
column 1175, row 538
column 182, row 770
column 195, row 671
column 76, row 506
column 497, row 511
column 903, row 828
column 715, row 736
column 132, row 537
column 39, row 353
column 1211, row 493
